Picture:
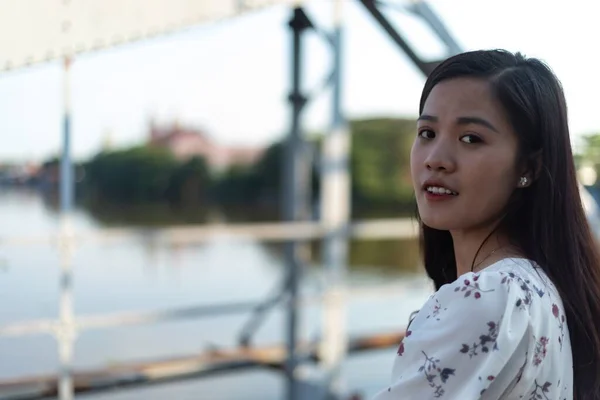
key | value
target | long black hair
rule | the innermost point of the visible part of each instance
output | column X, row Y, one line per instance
column 545, row 220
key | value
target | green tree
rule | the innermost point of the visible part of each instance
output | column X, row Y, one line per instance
column 380, row 161
column 590, row 150
column 260, row 183
column 237, row 185
column 139, row 174
column 589, row 153
column 189, row 183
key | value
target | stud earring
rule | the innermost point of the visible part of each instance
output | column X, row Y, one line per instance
column 523, row 181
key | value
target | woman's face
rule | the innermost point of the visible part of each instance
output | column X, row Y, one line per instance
column 463, row 160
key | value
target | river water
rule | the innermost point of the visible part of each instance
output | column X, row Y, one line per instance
column 136, row 275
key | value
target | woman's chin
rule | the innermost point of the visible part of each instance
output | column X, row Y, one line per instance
column 441, row 224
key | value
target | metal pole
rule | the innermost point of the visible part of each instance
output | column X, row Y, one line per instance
column 294, row 195
column 66, row 164
column 335, row 206
column 65, row 334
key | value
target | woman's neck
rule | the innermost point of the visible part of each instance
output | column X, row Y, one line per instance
column 469, row 251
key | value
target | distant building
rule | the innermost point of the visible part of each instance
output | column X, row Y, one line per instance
column 18, row 174
column 185, row 142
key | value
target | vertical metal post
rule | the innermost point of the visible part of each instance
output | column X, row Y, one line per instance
column 66, row 164
column 65, row 334
column 294, row 194
column 335, row 208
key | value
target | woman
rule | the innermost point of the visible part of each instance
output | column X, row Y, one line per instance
column 504, row 238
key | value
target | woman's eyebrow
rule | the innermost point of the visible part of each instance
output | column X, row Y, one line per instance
column 462, row 121
column 475, row 120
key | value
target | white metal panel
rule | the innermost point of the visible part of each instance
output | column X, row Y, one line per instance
column 33, row 31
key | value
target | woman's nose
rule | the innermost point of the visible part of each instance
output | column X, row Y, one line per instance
column 440, row 159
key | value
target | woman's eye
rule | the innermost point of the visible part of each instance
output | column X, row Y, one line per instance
column 470, row 139
column 426, row 134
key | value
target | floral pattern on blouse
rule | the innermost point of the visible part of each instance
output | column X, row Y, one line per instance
column 499, row 333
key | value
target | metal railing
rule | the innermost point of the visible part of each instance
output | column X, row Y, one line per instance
column 66, row 328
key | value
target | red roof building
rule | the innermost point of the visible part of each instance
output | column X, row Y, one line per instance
column 186, row 142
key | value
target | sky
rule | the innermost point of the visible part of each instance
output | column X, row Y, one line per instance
column 232, row 78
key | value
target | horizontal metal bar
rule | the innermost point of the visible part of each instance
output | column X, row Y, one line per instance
column 397, row 228
column 401, row 228
column 29, row 328
column 183, row 234
column 127, row 318
column 153, row 317
column 136, row 374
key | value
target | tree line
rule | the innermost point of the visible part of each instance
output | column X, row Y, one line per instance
column 379, row 167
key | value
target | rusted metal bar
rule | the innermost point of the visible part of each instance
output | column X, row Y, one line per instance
column 172, row 369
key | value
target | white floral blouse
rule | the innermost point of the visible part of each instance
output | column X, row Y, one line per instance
column 496, row 334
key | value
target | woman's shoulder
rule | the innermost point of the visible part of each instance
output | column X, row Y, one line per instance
column 489, row 289
column 508, row 286
column 480, row 297
column 508, row 272
column 518, row 265
column 475, row 327
column 505, row 273
column 509, row 289
column 525, row 274
column 484, row 333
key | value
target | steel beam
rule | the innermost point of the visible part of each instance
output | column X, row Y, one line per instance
column 294, row 188
column 422, row 10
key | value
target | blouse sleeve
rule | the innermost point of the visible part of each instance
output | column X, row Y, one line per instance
column 461, row 340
